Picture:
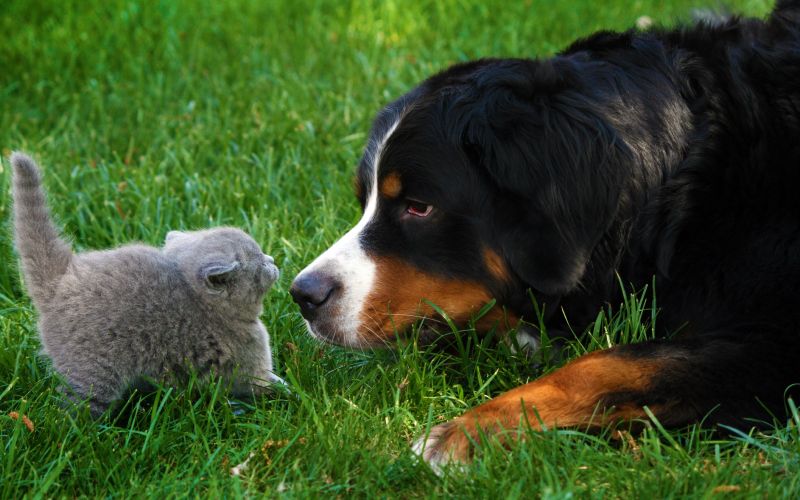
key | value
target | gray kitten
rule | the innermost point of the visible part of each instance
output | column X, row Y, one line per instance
column 109, row 318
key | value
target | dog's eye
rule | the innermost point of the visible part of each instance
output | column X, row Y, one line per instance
column 418, row 208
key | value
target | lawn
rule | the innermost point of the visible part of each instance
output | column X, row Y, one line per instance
column 157, row 115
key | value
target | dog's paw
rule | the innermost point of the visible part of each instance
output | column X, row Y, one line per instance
column 445, row 445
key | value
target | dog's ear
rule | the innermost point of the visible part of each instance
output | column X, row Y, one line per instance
column 557, row 163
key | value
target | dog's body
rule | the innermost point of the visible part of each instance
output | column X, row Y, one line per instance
column 673, row 154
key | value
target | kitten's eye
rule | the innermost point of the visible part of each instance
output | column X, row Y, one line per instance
column 418, row 208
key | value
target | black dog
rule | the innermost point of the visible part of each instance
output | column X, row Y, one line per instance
column 673, row 154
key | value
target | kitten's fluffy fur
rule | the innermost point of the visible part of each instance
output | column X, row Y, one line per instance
column 108, row 318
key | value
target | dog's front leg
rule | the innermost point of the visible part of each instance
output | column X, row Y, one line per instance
column 595, row 390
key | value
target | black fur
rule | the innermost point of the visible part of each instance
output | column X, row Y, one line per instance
column 673, row 154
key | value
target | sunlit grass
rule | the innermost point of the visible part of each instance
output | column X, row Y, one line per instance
column 150, row 116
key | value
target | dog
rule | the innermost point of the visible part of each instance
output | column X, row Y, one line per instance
column 661, row 156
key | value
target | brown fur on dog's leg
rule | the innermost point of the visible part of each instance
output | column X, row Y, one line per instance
column 595, row 390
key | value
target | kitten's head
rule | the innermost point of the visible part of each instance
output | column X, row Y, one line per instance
column 225, row 266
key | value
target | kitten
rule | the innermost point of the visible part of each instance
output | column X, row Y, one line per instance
column 109, row 318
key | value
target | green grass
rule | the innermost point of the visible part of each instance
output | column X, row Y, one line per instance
column 150, row 116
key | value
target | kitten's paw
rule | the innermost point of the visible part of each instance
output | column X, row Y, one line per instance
column 279, row 386
column 239, row 408
column 274, row 379
column 269, row 385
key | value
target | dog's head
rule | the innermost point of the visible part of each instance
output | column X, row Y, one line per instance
column 490, row 179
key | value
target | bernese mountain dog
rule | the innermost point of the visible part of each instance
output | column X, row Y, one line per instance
column 665, row 156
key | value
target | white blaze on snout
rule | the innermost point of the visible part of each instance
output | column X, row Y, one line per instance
column 352, row 268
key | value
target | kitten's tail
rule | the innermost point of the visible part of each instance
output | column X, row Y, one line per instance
column 45, row 255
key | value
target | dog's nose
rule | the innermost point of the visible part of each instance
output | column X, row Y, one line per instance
column 311, row 291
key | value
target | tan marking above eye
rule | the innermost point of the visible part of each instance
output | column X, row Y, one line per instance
column 391, row 185
column 496, row 265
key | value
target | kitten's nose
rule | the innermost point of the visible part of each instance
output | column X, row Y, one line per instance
column 313, row 290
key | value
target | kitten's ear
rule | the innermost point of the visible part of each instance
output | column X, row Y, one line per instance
column 172, row 235
column 218, row 274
